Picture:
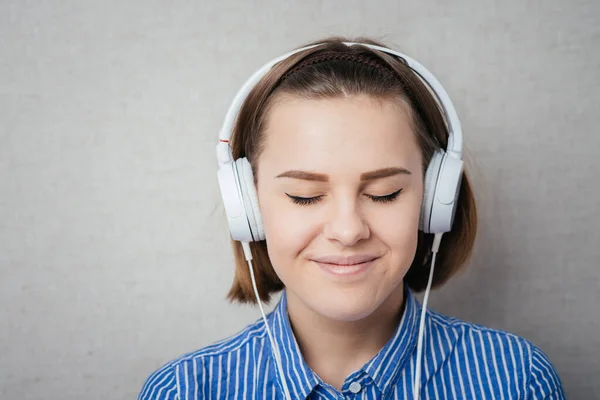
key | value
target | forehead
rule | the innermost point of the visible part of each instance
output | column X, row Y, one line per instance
column 356, row 132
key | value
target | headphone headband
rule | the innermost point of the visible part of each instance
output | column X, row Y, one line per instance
column 454, row 147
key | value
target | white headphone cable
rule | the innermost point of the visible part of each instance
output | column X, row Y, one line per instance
column 278, row 362
column 417, row 384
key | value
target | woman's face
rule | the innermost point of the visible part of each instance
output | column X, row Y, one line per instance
column 340, row 186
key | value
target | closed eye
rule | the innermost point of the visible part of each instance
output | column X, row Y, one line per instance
column 385, row 199
column 304, row 201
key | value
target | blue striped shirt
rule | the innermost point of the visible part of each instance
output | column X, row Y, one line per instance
column 460, row 361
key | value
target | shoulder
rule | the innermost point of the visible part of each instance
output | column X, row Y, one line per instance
column 501, row 358
column 186, row 372
column 161, row 384
column 544, row 382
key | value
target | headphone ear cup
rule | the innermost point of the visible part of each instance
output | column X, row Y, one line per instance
column 231, row 193
column 250, row 199
column 431, row 179
column 440, row 199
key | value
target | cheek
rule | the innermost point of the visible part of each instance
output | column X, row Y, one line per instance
column 403, row 243
column 398, row 230
column 287, row 230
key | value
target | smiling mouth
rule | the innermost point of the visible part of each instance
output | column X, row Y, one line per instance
column 346, row 260
column 346, row 267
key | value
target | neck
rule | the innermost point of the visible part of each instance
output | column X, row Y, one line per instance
column 325, row 343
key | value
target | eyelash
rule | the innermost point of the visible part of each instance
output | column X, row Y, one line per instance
column 306, row 201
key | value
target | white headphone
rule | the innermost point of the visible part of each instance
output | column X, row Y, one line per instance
column 442, row 179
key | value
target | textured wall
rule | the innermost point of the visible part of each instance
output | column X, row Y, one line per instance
column 114, row 255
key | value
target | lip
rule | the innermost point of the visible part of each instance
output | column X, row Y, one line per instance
column 346, row 265
column 347, row 260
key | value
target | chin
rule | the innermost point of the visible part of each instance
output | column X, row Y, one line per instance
column 346, row 306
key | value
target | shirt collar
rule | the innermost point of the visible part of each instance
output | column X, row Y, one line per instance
column 383, row 369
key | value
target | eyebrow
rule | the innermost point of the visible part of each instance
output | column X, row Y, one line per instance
column 367, row 176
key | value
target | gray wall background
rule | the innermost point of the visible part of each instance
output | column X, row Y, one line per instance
column 114, row 253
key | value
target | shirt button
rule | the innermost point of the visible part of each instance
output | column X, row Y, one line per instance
column 355, row 387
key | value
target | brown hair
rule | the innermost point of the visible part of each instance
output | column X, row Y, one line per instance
column 331, row 70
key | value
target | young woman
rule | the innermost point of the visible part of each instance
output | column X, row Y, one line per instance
column 340, row 169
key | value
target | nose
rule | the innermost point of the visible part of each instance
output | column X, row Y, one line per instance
column 346, row 224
